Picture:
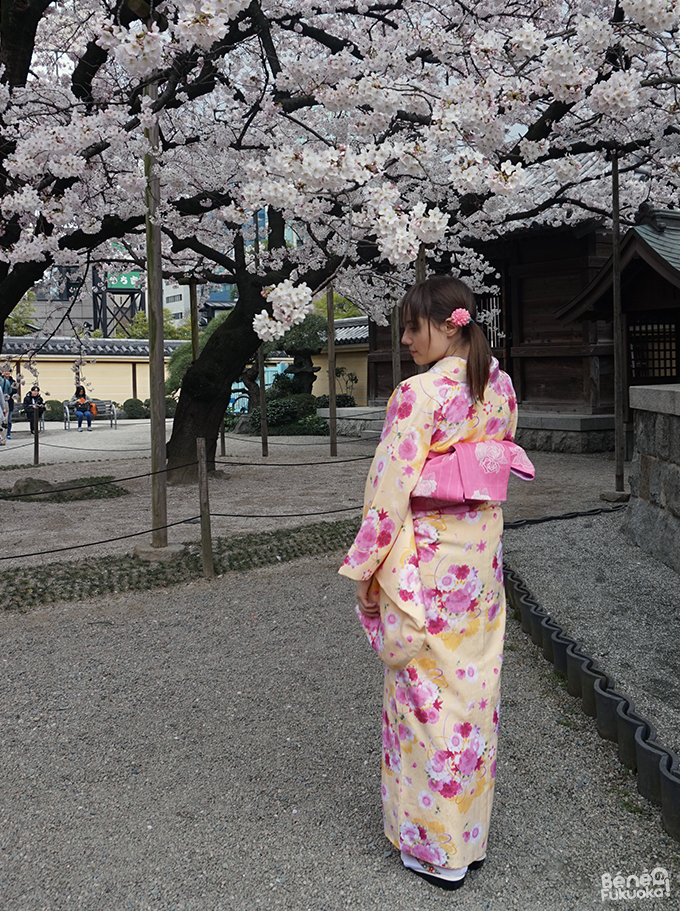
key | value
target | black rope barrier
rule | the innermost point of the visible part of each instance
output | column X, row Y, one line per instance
column 132, row 477
column 16, row 446
column 520, row 523
column 283, row 515
column 257, row 440
column 87, row 448
column 291, row 464
column 134, row 534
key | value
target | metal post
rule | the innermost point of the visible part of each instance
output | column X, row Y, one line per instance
column 204, row 503
column 263, row 401
column 154, row 272
column 331, row 370
column 619, row 352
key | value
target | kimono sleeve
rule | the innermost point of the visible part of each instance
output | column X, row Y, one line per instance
column 505, row 392
column 396, row 467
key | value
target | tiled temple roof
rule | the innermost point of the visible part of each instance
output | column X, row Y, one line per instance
column 18, row 346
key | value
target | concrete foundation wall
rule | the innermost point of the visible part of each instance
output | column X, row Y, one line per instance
column 654, row 513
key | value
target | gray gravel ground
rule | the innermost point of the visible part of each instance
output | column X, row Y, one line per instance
column 217, row 746
column 620, row 603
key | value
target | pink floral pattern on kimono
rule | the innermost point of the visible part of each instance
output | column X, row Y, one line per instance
column 440, row 711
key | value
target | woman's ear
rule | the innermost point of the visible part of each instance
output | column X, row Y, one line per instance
column 450, row 328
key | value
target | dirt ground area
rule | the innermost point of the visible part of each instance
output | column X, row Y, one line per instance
column 297, row 483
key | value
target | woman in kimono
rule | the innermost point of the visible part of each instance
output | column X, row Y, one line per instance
column 437, row 574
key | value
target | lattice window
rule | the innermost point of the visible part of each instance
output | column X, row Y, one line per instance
column 654, row 349
column 491, row 318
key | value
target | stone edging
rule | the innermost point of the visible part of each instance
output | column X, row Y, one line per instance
column 658, row 769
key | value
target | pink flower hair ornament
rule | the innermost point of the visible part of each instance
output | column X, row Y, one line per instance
column 461, row 317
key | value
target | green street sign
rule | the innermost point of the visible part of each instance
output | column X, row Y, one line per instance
column 126, row 281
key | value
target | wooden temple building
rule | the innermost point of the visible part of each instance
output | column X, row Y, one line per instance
column 554, row 333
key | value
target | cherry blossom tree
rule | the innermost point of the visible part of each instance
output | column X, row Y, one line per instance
column 364, row 131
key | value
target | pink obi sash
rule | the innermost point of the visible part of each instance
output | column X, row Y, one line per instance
column 472, row 472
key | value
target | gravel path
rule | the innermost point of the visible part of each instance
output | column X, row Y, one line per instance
column 298, row 477
column 620, row 603
column 217, row 746
column 308, row 487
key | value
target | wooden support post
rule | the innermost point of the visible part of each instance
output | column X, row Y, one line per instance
column 263, row 401
column 396, row 346
column 333, row 414
column 204, row 502
column 223, row 445
column 619, row 343
column 36, row 435
column 421, row 273
column 154, row 273
column 193, row 305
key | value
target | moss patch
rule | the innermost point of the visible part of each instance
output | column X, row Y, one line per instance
column 95, row 488
column 57, row 581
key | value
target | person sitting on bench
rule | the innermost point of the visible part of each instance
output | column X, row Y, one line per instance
column 82, row 402
column 34, row 406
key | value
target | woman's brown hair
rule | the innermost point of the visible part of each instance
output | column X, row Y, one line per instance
column 434, row 300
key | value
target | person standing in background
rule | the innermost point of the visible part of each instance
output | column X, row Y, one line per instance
column 3, row 418
column 9, row 387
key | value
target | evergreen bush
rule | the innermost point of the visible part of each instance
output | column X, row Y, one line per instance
column 54, row 410
column 281, row 387
column 286, row 411
column 314, row 425
column 342, row 400
column 135, row 409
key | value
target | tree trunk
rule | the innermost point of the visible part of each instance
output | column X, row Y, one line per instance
column 249, row 380
column 206, row 388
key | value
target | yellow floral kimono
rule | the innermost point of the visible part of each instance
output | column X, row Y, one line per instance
column 440, row 711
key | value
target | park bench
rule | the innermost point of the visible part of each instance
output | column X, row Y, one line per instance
column 105, row 409
column 18, row 414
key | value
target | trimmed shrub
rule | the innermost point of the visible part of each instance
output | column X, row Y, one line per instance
column 54, row 411
column 286, row 411
column 341, row 401
column 281, row 387
column 170, row 406
column 135, row 409
column 314, row 425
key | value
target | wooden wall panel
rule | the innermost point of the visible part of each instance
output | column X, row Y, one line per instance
column 556, row 382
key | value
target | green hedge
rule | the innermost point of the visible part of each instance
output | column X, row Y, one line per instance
column 54, row 410
column 286, row 411
column 135, row 409
column 341, row 401
column 281, row 387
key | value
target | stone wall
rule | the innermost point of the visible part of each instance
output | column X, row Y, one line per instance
column 552, row 432
column 654, row 513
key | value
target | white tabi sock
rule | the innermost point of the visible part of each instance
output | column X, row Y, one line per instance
column 445, row 873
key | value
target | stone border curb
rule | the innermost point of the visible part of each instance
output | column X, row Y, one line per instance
column 658, row 769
